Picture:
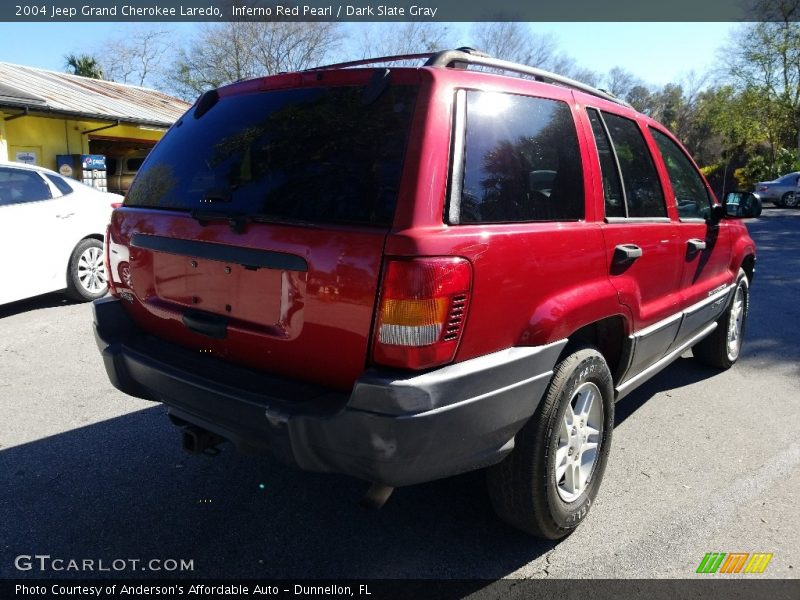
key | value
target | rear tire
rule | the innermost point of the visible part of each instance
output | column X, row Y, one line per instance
column 86, row 273
column 789, row 200
column 548, row 483
column 722, row 348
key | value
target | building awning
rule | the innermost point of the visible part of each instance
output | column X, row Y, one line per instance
column 49, row 92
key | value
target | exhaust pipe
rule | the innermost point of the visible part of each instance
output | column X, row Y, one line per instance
column 376, row 496
column 197, row 440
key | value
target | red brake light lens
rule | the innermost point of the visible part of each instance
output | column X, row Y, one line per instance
column 422, row 311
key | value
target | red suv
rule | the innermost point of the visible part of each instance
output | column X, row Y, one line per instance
column 403, row 274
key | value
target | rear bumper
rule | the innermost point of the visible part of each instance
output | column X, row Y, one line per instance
column 393, row 428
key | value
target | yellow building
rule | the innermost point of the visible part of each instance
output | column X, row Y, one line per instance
column 46, row 113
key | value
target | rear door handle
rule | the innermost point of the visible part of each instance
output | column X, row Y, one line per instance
column 625, row 253
column 65, row 215
column 696, row 245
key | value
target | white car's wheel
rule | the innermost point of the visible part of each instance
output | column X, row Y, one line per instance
column 86, row 273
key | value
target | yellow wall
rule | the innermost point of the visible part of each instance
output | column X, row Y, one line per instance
column 59, row 136
column 3, row 141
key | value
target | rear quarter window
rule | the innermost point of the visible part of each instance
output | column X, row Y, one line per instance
column 521, row 161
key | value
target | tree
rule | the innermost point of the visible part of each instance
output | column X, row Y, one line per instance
column 764, row 57
column 136, row 57
column 620, row 82
column 391, row 39
column 83, row 65
column 222, row 53
column 516, row 42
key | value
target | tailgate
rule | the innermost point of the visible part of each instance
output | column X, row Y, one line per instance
column 292, row 301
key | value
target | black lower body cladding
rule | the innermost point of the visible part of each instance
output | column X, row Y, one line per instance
column 394, row 428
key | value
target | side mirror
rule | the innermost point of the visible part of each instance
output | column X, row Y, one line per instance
column 740, row 204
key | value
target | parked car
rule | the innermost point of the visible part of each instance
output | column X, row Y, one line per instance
column 781, row 192
column 120, row 171
column 51, row 234
column 404, row 274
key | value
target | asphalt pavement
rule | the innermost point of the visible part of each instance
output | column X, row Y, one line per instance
column 702, row 461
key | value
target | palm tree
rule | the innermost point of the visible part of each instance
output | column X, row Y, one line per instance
column 84, row 65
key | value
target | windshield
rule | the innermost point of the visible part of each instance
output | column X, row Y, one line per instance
column 312, row 154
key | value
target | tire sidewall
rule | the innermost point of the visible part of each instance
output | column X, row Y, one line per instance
column 741, row 282
column 592, row 368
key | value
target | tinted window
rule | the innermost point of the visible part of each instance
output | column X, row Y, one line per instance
column 315, row 154
column 690, row 191
column 642, row 188
column 59, row 182
column 612, row 187
column 18, row 186
column 521, row 161
column 133, row 164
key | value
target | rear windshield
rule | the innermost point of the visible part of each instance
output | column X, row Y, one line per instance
column 315, row 154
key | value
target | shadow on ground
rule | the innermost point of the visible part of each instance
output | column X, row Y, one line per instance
column 122, row 488
column 35, row 303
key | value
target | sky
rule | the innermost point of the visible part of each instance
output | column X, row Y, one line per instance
column 658, row 53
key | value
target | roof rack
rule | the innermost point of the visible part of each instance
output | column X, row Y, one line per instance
column 370, row 61
column 461, row 58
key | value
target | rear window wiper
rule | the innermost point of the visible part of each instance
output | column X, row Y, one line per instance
column 236, row 221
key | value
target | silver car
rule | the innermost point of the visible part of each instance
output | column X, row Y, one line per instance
column 781, row 192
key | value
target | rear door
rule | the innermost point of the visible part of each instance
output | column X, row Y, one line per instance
column 705, row 247
column 255, row 229
column 641, row 240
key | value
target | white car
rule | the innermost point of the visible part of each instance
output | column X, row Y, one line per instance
column 51, row 234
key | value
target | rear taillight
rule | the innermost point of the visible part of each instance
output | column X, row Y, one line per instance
column 763, row 188
column 116, row 204
column 423, row 306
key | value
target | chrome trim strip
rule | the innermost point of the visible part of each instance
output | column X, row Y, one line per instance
column 710, row 300
column 658, row 325
column 626, row 387
column 629, row 220
column 688, row 310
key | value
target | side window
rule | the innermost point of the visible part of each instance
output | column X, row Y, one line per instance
column 690, row 191
column 644, row 197
column 18, row 186
column 612, row 187
column 521, row 161
column 60, row 184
